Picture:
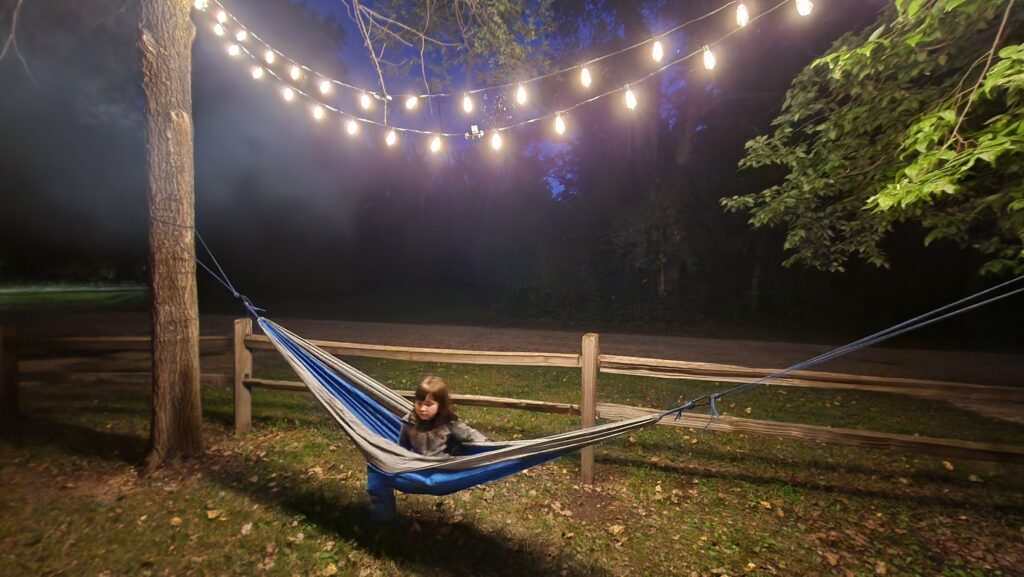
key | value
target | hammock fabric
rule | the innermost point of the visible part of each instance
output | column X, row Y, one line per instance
column 370, row 414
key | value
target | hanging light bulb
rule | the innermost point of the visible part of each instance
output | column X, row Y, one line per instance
column 318, row 112
column 630, row 99
column 742, row 15
column 496, row 141
column 201, row 4
column 234, row 50
column 257, row 72
column 288, row 93
column 709, row 58
column 296, row 72
column 521, row 95
column 241, row 36
column 585, row 77
column 435, row 144
column 657, row 51
column 325, row 86
column 411, row 103
column 269, row 56
column 364, row 101
column 391, row 138
column 218, row 30
column 352, row 127
column 804, row 7
column 559, row 124
column 222, row 17
column 467, row 104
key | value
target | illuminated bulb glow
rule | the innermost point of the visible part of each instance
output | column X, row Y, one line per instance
column 257, row 73
column 435, row 144
column 630, row 99
column 201, row 4
column 391, row 138
column 804, row 7
column 657, row 52
column 742, row 15
column 296, row 72
column 709, row 58
column 496, row 141
column 318, row 112
column 242, row 36
column 218, row 30
column 467, row 104
column 222, row 17
column 411, row 103
column 585, row 77
column 521, row 95
column 364, row 101
column 559, row 124
column 352, row 127
column 269, row 56
column 234, row 50
column 288, row 93
column 325, row 86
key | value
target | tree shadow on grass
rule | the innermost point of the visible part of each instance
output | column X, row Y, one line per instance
column 74, row 439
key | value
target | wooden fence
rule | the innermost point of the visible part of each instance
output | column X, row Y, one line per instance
column 590, row 362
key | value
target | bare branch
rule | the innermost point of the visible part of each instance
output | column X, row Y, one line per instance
column 358, row 19
column 422, row 35
column 12, row 42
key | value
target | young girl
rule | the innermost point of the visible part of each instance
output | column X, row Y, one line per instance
column 432, row 428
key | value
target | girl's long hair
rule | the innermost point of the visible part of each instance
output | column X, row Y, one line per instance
column 437, row 388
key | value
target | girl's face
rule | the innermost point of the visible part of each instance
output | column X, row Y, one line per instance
column 427, row 408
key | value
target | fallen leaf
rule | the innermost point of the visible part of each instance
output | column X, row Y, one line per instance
column 974, row 478
column 947, row 465
column 615, row 529
column 247, row 528
column 329, row 570
column 175, row 521
column 213, row 513
column 832, row 558
column 766, row 505
column 880, row 568
column 748, row 410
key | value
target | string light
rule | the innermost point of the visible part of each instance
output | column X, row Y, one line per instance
column 657, row 52
column 804, row 7
column 411, row 103
column 435, row 145
column 496, row 141
column 201, row 4
column 269, row 56
column 364, row 101
column 257, row 72
column 559, row 124
column 241, row 36
column 585, row 77
column 391, row 138
column 630, row 99
column 318, row 112
column 467, row 104
column 521, row 95
column 222, row 17
column 296, row 72
column 352, row 127
column 234, row 50
column 709, row 58
column 288, row 93
column 218, row 30
column 325, row 86
column 742, row 15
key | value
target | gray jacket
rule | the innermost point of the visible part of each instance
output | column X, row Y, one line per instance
column 442, row 439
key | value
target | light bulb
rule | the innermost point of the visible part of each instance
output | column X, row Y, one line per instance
column 742, row 15
column 391, row 138
column 296, row 72
column 585, row 77
column 411, row 103
column 201, row 4
column 325, row 86
column 521, row 95
column 657, row 52
column 222, row 17
column 288, row 93
column 467, row 104
column 435, row 144
column 269, row 56
column 318, row 112
column 559, row 124
column 496, row 141
column 218, row 30
column 709, row 58
column 351, row 127
column 804, row 7
column 364, row 101
column 234, row 50
column 241, row 36
column 630, row 99
column 257, row 72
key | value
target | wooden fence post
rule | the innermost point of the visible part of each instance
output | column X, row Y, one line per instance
column 8, row 373
column 588, row 402
column 243, row 370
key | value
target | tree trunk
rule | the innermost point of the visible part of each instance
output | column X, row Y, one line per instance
column 166, row 43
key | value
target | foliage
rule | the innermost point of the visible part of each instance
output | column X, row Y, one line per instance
column 902, row 122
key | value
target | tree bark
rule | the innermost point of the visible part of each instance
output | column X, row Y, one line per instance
column 166, row 45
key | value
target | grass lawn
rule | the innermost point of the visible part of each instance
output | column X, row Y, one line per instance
column 64, row 297
column 288, row 498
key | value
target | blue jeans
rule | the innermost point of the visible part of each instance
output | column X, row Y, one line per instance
column 382, row 495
